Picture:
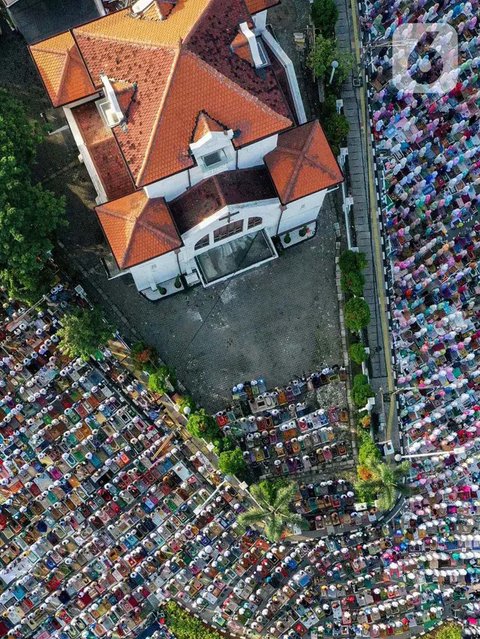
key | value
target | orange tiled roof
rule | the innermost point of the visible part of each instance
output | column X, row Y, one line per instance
column 303, row 163
column 241, row 47
column 138, row 228
column 104, row 151
column 180, row 66
column 205, row 124
column 62, row 69
column 254, row 6
column 195, row 85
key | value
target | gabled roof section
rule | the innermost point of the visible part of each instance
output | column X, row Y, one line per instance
column 138, row 228
column 167, row 71
column 303, row 163
column 194, row 86
column 214, row 193
column 62, row 69
column 254, row 6
column 241, row 47
column 122, row 26
column 205, row 124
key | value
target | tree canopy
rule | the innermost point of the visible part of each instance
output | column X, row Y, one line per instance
column 201, row 424
column 272, row 510
column 231, row 462
column 82, row 332
column 357, row 314
column 29, row 214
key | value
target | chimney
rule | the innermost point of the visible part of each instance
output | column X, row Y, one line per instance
column 253, row 44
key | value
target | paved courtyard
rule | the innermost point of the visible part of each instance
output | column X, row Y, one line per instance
column 275, row 321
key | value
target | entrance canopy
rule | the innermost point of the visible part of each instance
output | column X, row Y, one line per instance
column 233, row 257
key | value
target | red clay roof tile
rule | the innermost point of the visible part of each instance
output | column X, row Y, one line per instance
column 254, row 6
column 181, row 65
column 303, row 163
column 138, row 228
column 104, row 151
column 62, row 69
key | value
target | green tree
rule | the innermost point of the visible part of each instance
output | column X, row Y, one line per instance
column 446, row 631
column 336, row 129
column 325, row 16
column 201, row 424
column 272, row 513
column 83, row 331
column 145, row 357
column 368, row 452
column 29, row 214
column 184, row 625
column 352, row 282
column 357, row 353
column 320, row 58
column 357, row 314
column 231, row 462
column 361, row 391
column 386, row 482
column 161, row 380
column 352, row 261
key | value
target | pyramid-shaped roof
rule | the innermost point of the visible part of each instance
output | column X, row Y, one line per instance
column 205, row 124
column 62, row 69
column 138, row 228
column 181, row 65
column 302, row 163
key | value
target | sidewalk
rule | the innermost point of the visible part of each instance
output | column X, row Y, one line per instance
column 359, row 189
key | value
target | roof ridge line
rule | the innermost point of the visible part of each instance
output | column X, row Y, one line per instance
column 235, row 85
column 158, row 117
column 298, row 164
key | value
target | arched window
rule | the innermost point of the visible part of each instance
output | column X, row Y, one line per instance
column 228, row 230
column 254, row 221
column 202, row 242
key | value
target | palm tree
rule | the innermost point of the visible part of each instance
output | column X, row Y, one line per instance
column 386, row 482
column 272, row 511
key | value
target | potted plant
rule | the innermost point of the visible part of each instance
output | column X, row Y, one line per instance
column 286, row 238
column 162, row 290
column 303, row 231
column 178, row 282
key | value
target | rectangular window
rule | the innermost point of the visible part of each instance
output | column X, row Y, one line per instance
column 212, row 160
column 228, row 230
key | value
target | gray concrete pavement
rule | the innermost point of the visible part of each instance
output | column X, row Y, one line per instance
column 278, row 320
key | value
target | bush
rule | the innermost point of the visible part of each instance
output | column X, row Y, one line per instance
column 186, row 402
column 144, row 357
column 361, row 391
column 357, row 314
column 223, row 444
column 82, row 332
column 184, row 625
column 336, row 129
column 231, row 462
column 161, row 380
column 357, row 353
column 325, row 16
column 367, row 451
column 352, row 262
column 201, row 424
column 446, row 631
column 352, row 282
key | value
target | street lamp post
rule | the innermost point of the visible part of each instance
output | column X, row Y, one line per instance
column 441, row 453
column 335, row 65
